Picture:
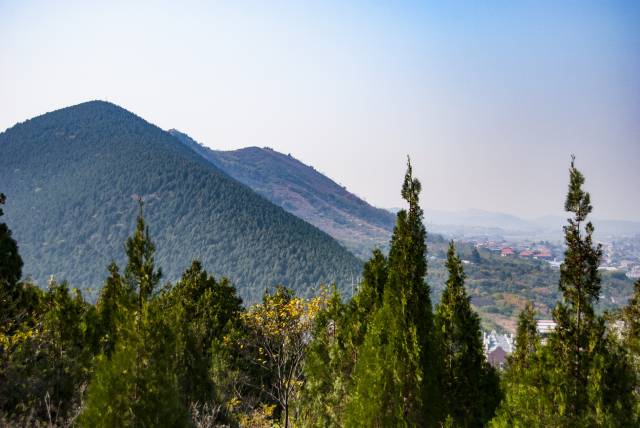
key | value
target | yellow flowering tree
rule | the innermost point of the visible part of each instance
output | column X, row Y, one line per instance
column 279, row 330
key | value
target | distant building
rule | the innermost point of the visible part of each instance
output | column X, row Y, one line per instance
column 545, row 328
column 507, row 251
column 497, row 348
column 497, row 358
column 634, row 272
column 543, row 253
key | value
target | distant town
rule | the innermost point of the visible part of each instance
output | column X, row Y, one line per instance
column 618, row 254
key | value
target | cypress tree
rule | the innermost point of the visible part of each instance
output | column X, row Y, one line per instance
column 10, row 273
column 203, row 310
column 137, row 385
column 111, row 309
column 581, row 377
column 10, row 260
column 579, row 332
column 338, row 335
column 631, row 340
column 529, row 398
column 527, row 340
column 140, row 273
column 631, row 319
column 394, row 377
column 326, row 368
column 469, row 384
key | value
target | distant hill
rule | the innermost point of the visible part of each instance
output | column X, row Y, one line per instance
column 70, row 175
column 478, row 222
column 304, row 192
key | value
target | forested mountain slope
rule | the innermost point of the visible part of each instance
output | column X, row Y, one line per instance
column 499, row 286
column 71, row 175
column 305, row 192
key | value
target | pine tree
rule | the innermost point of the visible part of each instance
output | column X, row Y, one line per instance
column 137, row 384
column 10, row 273
column 526, row 400
column 10, row 260
column 394, row 378
column 338, row 335
column 204, row 311
column 326, row 368
column 581, row 377
column 579, row 332
column 140, row 273
column 111, row 309
column 527, row 339
column 469, row 384
column 631, row 340
column 631, row 319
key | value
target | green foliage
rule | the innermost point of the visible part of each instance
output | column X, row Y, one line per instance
column 137, row 385
column 581, row 377
column 10, row 260
column 469, row 385
column 191, row 355
column 304, row 192
column 114, row 302
column 140, row 273
column 70, row 175
column 45, row 361
column 394, row 376
column 203, row 311
column 337, row 338
column 579, row 332
column 10, row 273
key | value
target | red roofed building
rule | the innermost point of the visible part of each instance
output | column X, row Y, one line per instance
column 543, row 253
column 507, row 251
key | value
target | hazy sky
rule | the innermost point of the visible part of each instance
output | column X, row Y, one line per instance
column 489, row 98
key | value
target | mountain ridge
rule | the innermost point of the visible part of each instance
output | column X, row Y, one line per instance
column 304, row 192
column 69, row 176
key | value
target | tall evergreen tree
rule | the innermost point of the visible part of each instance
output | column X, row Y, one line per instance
column 631, row 319
column 10, row 273
column 140, row 273
column 394, row 378
column 469, row 385
column 528, row 399
column 338, row 335
column 631, row 340
column 527, row 340
column 204, row 311
column 579, row 332
column 10, row 260
column 137, row 385
column 114, row 301
column 581, row 377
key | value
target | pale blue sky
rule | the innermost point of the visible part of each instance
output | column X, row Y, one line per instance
column 489, row 98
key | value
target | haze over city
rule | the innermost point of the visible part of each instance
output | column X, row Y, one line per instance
column 489, row 100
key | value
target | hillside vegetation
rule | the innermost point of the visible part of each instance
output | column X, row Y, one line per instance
column 191, row 355
column 304, row 192
column 498, row 286
column 71, row 177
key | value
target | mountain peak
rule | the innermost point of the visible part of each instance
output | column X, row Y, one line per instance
column 69, row 176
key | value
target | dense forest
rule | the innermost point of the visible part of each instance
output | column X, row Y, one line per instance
column 304, row 192
column 71, row 175
column 148, row 353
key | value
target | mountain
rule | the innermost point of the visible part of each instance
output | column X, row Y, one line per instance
column 474, row 222
column 70, row 176
column 304, row 192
